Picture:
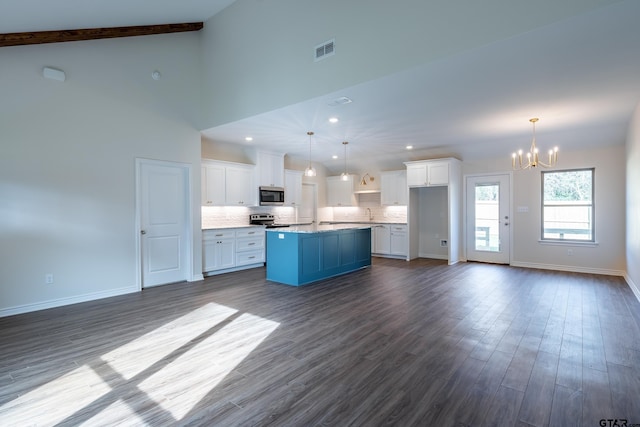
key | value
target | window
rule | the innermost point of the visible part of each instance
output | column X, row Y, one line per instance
column 567, row 205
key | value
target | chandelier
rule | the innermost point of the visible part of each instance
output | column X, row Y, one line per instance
column 533, row 159
column 310, row 170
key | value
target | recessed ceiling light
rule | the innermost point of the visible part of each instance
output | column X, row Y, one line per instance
column 409, row 147
column 334, row 157
column 333, row 120
column 249, row 138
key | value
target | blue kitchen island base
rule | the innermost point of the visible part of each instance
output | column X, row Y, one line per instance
column 302, row 255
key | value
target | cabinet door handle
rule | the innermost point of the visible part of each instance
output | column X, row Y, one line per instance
column 251, row 257
column 252, row 243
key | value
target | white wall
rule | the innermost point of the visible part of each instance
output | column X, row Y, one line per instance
column 633, row 203
column 67, row 185
column 608, row 256
column 258, row 55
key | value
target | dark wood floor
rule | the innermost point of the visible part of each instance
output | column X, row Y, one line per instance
column 400, row 343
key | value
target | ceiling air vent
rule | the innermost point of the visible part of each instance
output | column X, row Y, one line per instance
column 325, row 50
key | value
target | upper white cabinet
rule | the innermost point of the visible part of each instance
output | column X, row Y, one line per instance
column 270, row 169
column 292, row 188
column 240, row 186
column 228, row 184
column 212, row 179
column 339, row 192
column 393, row 188
column 427, row 173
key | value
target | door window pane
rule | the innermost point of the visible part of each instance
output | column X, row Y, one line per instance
column 487, row 221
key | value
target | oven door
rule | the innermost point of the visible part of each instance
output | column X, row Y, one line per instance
column 271, row 196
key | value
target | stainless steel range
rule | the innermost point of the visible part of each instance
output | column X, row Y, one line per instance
column 268, row 220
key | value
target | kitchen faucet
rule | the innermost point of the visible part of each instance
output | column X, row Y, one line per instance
column 370, row 214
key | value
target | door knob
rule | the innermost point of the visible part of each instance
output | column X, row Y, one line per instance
column 143, row 232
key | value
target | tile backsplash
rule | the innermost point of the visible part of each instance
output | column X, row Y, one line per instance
column 230, row 216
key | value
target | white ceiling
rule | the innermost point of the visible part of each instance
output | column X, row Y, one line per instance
column 581, row 76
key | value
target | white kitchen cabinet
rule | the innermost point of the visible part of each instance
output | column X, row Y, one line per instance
column 393, row 188
column 228, row 184
column 398, row 240
column 292, row 188
column 212, row 185
column 240, row 187
column 270, row 169
column 339, row 192
column 390, row 240
column 218, row 250
column 250, row 246
column 382, row 241
column 226, row 250
column 427, row 173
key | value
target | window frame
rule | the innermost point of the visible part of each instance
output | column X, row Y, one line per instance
column 593, row 208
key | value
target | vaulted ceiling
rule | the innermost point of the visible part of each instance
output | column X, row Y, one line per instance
column 580, row 75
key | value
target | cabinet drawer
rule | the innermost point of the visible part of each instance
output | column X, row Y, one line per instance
column 253, row 232
column 218, row 234
column 249, row 244
column 249, row 257
column 398, row 228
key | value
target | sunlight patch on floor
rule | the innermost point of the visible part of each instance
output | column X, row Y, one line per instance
column 118, row 413
column 136, row 356
column 182, row 384
column 50, row 404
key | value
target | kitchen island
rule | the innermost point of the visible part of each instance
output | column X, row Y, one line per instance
column 304, row 254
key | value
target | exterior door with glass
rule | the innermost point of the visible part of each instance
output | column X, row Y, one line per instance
column 488, row 219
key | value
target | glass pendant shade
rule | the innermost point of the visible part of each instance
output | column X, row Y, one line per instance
column 310, row 170
column 344, row 175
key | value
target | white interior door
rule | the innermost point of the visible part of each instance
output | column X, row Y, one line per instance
column 488, row 219
column 307, row 209
column 164, row 205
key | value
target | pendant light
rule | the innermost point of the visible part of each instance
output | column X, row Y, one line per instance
column 533, row 159
column 345, row 176
column 310, row 170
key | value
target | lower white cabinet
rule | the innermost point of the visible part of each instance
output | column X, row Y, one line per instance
column 218, row 249
column 250, row 247
column 398, row 240
column 225, row 250
column 389, row 239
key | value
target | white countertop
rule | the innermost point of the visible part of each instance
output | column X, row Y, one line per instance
column 229, row 227
column 315, row 228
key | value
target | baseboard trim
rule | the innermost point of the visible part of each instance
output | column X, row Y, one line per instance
column 196, row 278
column 27, row 308
column 634, row 288
column 569, row 268
column 433, row 256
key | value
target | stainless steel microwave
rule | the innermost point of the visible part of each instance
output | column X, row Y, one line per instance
column 271, row 196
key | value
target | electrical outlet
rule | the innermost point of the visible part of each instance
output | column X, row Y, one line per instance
column 570, row 252
column 443, row 243
column 48, row 278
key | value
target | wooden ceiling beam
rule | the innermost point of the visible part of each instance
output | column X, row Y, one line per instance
column 42, row 37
